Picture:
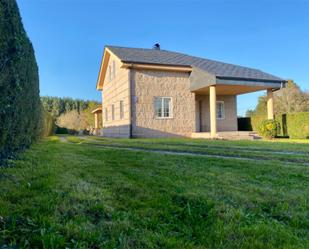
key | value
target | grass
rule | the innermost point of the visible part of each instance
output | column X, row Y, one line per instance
column 80, row 194
column 74, row 139
column 240, row 149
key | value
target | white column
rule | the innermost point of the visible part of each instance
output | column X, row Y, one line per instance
column 270, row 104
column 213, row 111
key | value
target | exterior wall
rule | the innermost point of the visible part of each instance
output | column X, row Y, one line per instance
column 229, row 123
column 148, row 84
column 114, row 91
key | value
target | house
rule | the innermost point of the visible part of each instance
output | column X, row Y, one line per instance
column 160, row 93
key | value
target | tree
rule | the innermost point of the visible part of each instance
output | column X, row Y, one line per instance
column 291, row 99
column 286, row 100
column 58, row 106
column 19, row 84
column 72, row 120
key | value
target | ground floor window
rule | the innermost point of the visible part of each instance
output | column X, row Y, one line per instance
column 163, row 107
column 113, row 112
column 220, row 110
column 121, row 109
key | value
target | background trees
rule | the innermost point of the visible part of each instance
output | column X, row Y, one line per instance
column 291, row 112
column 290, row 99
column 73, row 114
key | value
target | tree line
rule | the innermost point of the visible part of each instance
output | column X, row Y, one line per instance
column 58, row 106
column 70, row 115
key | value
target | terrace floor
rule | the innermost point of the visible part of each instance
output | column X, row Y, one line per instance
column 229, row 135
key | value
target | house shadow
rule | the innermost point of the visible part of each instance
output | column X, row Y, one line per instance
column 126, row 131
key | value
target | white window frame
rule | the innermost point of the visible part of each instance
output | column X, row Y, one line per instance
column 113, row 112
column 121, row 109
column 218, row 103
column 162, row 107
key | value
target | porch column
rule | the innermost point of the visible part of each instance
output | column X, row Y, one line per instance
column 270, row 104
column 213, row 111
column 96, row 120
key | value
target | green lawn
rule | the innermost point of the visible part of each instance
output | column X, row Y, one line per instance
column 119, row 193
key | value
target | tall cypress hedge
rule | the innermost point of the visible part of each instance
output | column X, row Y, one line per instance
column 19, row 83
column 295, row 125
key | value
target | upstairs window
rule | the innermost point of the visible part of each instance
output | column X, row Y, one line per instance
column 163, row 107
column 114, row 69
column 220, row 110
column 121, row 109
column 110, row 72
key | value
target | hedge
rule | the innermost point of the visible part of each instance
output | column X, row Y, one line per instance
column 19, row 84
column 294, row 125
column 297, row 125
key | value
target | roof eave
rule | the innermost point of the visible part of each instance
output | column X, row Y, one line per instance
column 155, row 66
column 267, row 83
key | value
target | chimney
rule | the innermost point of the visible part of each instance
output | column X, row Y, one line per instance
column 156, row 46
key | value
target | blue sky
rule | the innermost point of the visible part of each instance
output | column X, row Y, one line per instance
column 69, row 36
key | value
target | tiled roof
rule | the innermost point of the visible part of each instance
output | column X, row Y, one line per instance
column 164, row 57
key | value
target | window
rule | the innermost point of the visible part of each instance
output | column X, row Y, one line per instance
column 121, row 109
column 114, row 69
column 163, row 107
column 113, row 112
column 106, row 114
column 220, row 110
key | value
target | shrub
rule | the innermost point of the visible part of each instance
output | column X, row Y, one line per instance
column 269, row 128
column 19, row 84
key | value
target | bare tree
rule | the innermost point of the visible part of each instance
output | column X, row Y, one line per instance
column 287, row 100
column 73, row 120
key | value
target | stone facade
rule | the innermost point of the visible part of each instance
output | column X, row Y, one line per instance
column 146, row 85
column 228, row 123
column 190, row 112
